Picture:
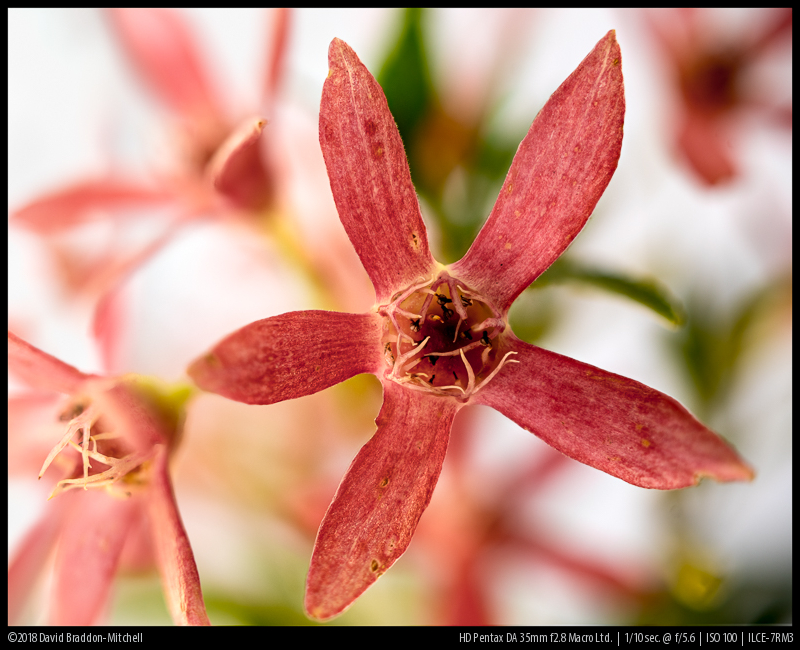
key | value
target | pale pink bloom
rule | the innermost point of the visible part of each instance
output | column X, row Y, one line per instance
column 438, row 336
column 712, row 71
column 113, row 498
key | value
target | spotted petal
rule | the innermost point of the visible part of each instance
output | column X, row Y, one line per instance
column 291, row 355
column 380, row 500
column 610, row 422
column 369, row 176
column 559, row 173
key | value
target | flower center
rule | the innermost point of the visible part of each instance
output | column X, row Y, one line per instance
column 113, row 461
column 441, row 337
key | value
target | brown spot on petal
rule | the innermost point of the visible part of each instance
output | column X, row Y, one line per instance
column 645, row 442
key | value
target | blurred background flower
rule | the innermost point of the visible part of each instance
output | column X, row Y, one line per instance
column 683, row 287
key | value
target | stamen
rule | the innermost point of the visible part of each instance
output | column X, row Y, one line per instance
column 470, row 374
column 503, row 361
column 405, row 357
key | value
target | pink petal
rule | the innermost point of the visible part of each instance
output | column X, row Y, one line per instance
column 369, row 176
column 33, row 428
column 290, row 356
column 377, row 507
column 41, row 370
column 174, row 553
column 559, row 173
column 31, row 556
column 610, row 422
column 237, row 168
column 86, row 201
column 276, row 55
column 88, row 552
column 707, row 150
column 161, row 46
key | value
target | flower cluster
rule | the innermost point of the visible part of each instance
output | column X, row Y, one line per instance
column 438, row 338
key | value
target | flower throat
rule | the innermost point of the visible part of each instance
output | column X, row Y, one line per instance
column 441, row 337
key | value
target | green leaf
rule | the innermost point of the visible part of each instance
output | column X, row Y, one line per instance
column 645, row 291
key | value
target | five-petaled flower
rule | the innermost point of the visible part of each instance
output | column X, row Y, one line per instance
column 116, row 437
column 438, row 337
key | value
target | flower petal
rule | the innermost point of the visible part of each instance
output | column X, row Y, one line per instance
column 163, row 50
column 86, row 201
column 559, row 173
column 88, row 552
column 369, row 176
column 380, row 500
column 610, row 422
column 31, row 556
column 290, row 356
column 174, row 553
column 237, row 169
column 280, row 20
column 703, row 141
column 41, row 370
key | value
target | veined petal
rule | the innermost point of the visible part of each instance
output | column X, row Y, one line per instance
column 290, row 356
column 174, row 553
column 86, row 201
column 369, row 176
column 559, row 173
column 41, row 370
column 380, row 500
column 612, row 423
column 163, row 50
column 237, row 168
column 88, row 552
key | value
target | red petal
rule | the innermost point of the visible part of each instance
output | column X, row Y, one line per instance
column 41, row 370
column 369, row 175
column 559, row 173
column 162, row 48
column 290, row 356
column 237, row 168
column 175, row 557
column 86, row 201
column 88, row 552
column 380, row 500
column 610, row 422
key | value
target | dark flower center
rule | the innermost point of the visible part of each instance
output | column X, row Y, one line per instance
column 441, row 337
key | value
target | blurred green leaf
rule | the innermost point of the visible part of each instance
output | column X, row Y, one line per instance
column 714, row 341
column 405, row 76
column 645, row 291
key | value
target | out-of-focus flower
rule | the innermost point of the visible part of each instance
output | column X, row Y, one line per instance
column 438, row 337
column 224, row 169
column 114, row 498
column 712, row 73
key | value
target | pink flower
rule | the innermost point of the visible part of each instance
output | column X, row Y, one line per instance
column 223, row 167
column 714, row 77
column 438, row 337
column 124, row 439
